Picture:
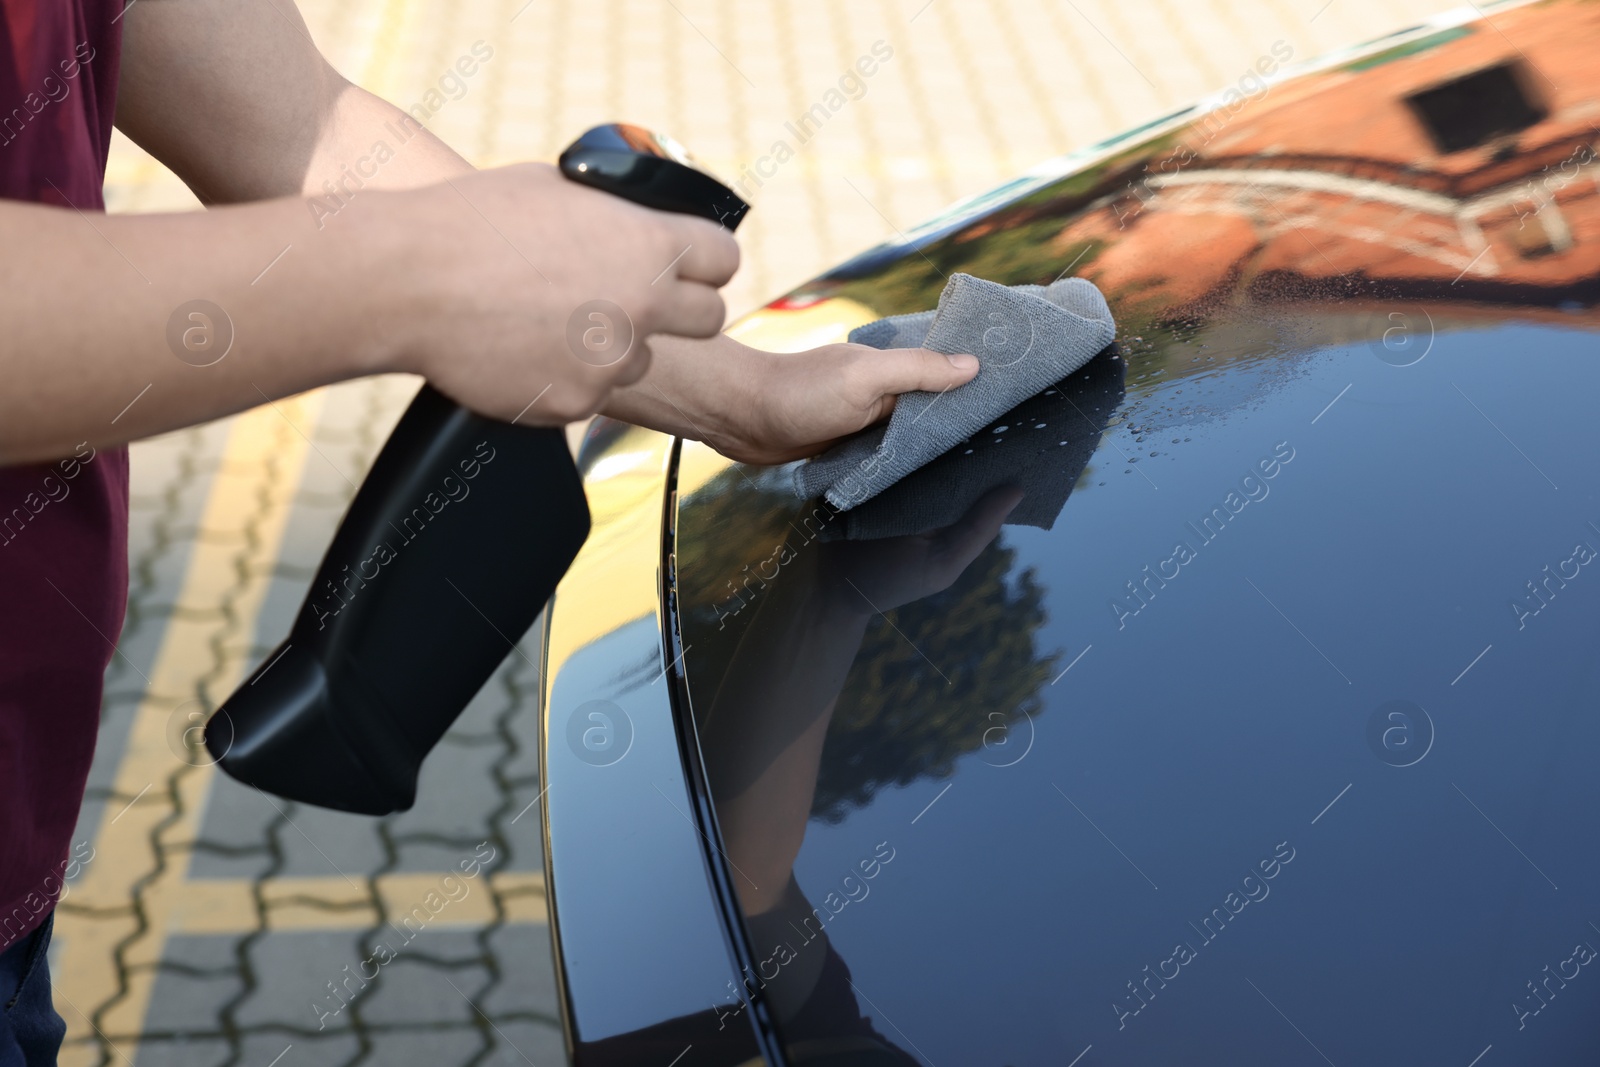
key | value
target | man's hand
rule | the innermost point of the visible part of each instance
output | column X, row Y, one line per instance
column 519, row 252
column 810, row 400
column 767, row 407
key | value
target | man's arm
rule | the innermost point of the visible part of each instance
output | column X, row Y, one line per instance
column 468, row 282
column 433, row 282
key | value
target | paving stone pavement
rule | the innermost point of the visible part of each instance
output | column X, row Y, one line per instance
column 218, row 926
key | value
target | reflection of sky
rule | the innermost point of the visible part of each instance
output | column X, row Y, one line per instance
column 1210, row 729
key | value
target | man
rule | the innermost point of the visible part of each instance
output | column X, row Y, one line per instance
column 464, row 277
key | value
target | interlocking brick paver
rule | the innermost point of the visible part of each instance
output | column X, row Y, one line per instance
column 214, row 917
column 526, row 1042
column 290, row 973
column 521, row 952
column 430, row 983
column 183, row 996
column 458, row 1044
column 183, row 1052
column 323, row 1050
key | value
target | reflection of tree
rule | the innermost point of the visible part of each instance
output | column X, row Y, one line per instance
column 1029, row 241
column 1031, row 255
column 1032, row 251
column 739, row 519
column 898, row 720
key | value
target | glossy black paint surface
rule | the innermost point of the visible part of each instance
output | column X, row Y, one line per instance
column 641, row 954
column 1276, row 746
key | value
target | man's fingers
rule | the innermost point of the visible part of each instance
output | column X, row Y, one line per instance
column 690, row 310
column 705, row 253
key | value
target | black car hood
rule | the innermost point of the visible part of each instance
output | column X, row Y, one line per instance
column 1276, row 743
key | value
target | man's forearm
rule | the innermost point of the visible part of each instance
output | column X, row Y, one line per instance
column 104, row 345
column 299, row 295
column 691, row 388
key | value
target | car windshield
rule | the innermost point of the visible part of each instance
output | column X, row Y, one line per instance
column 1236, row 694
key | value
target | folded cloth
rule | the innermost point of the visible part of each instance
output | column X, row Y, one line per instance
column 1042, row 446
column 1026, row 338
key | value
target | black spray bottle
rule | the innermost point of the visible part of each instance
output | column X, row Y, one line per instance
column 449, row 551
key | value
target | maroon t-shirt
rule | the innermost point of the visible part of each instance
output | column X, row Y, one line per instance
column 63, row 525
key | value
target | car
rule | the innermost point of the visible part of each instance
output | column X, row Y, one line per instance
column 1234, row 700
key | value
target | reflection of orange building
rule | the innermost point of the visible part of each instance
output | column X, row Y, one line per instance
column 1397, row 168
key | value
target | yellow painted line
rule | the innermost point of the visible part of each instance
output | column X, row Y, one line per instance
column 252, row 494
column 446, row 899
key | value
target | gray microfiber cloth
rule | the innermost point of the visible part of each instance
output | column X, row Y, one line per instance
column 1026, row 338
column 1042, row 446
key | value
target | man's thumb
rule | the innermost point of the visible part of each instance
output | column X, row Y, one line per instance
column 908, row 370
